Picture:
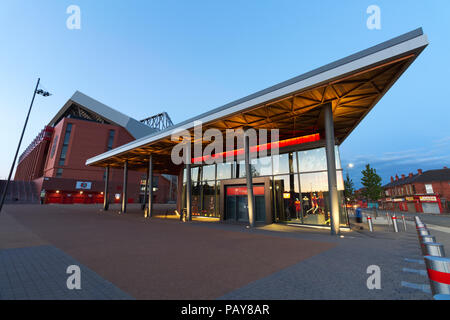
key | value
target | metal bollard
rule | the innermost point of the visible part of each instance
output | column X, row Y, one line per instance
column 369, row 221
column 388, row 217
column 420, row 225
column 433, row 249
column 423, row 232
column 404, row 221
column 394, row 223
column 417, row 219
column 428, row 238
column 438, row 269
column 421, row 229
column 423, row 239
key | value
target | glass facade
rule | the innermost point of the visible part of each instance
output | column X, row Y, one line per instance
column 298, row 188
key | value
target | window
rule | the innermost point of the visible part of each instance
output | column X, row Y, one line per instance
column 225, row 170
column 285, row 163
column 55, row 141
column 209, row 172
column 429, row 188
column 110, row 139
column 261, row 166
column 312, row 160
column 62, row 157
column 59, row 172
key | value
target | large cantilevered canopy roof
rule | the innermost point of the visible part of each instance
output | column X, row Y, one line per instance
column 352, row 85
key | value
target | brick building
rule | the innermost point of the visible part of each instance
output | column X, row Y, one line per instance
column 427, row 192
column 55, row 161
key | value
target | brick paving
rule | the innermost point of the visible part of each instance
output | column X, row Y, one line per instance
column 126, row 256
column 39, row 273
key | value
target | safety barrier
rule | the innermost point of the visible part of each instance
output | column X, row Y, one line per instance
column 437, row 265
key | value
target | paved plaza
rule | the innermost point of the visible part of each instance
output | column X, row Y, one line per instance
column 124, row 256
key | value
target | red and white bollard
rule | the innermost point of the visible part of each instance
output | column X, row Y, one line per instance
column 404, row 222
column 369, row 221
column 438, row 269
column 394, row 223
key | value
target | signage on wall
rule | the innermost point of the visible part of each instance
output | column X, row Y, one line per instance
column 399, row 200
column 85, row 185
column 428, row 198
column 409, row 198
column 242, row 191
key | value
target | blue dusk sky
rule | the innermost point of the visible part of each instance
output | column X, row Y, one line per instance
column 186, row 57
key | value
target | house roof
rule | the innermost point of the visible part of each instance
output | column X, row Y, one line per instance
column 427, row 176
column 91, row 109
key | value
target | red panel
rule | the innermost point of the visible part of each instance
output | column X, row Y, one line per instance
column 242, row 191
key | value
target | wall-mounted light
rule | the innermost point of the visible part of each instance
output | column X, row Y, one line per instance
column 57, row 191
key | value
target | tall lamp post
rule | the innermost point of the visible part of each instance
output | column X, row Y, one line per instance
column 36, row 91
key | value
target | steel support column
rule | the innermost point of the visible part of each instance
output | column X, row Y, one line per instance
column 331, row 165
column 106, row 192
column 125, row 187
column 248, row 173
column 144, row 202
column 188, row 193
column 150, row 186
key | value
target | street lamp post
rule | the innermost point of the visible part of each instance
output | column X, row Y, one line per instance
column 36, row 91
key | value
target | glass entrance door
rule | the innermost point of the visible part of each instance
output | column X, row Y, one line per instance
column 236, row 203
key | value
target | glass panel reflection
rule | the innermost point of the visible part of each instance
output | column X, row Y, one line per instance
column 286, row 195
column 209, row 196
column 285, row 163
column 314, row 187
column 241, row 169
column 261, row 167
column 224, row 170
column 312, row 160
column 195, row 198
column 209, row 172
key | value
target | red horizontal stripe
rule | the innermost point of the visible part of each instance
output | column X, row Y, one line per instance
column 438, row 276
column 266, row 146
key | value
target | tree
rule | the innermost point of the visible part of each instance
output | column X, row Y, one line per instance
column 372, row 184
column 349, row 191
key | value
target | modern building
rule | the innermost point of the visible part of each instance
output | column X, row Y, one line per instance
column 55, row 161
column 427, row 192
column 302, row 182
